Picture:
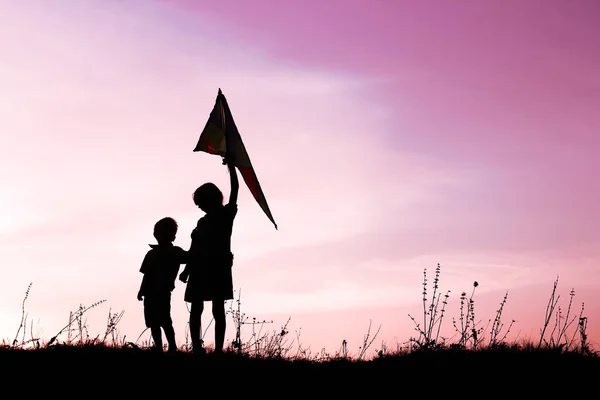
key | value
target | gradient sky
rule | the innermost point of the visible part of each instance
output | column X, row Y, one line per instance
column 388, row 136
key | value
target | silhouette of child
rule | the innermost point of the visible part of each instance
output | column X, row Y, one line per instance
column 208, row 273
column 160, row 267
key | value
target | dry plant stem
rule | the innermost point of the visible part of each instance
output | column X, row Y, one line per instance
column 433, row 307
column 260, row 344
column 366, row 342
column 82, row 310
column 439, row 321
column 206, row 329
column 141, row 334
column 254, row 345
column 425, row 301
column 111, row 325
column 578, row 331
column 582, row 333
column 568, row 322
column 549, row 312
column 475, row 332
column 23, row 314
column 277, row 344
column 431, row 315
column 463, row 322
column 497, row 325
column 238, row 319
column 344, row 349
column 301, row 353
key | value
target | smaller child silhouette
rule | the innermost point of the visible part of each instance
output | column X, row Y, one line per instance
column 160, row 268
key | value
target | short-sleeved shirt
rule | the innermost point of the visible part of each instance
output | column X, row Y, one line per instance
column 160, row 267
column 211, row 239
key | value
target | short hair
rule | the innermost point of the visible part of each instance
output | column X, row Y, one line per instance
column 208, row 195
column 165, row 229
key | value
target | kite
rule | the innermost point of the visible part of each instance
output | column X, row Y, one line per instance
column 219, row 135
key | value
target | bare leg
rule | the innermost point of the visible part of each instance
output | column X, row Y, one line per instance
column 170, row 335
column 157, row 337
column 218, row 310
column 196, row 324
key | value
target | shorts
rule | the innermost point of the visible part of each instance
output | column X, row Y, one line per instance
column 157, row 310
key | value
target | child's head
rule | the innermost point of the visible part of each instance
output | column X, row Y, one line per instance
column 208, row 197
column 165, row 230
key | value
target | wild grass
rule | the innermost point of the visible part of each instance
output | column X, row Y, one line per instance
column 563, row 334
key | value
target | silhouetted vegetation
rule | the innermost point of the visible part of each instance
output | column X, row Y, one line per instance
column 476, row 350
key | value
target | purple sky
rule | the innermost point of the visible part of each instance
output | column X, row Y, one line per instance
column 388, row 136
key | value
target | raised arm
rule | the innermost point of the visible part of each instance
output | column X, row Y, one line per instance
column 233, row 179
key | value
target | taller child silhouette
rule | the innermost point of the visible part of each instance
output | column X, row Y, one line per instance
column 208, row 273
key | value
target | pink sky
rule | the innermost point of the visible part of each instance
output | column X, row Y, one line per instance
column 387, row 136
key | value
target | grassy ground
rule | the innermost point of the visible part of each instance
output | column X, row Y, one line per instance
column 99, row 369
